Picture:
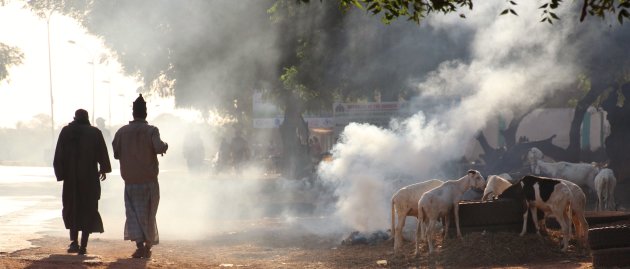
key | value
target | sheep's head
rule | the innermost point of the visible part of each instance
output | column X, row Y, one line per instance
column 533, row 156
column 476, row 179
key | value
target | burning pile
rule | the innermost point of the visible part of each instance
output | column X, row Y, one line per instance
column 358, row 238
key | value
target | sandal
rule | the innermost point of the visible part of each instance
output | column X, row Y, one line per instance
column 73, row 247
column 139, row 253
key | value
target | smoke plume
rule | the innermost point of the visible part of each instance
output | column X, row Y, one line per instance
column 513, row 62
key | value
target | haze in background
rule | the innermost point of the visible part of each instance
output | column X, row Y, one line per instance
column 513, row 62
column 468, row 71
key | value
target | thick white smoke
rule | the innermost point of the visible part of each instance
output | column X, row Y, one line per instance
column 514, row 63
column 511, row 62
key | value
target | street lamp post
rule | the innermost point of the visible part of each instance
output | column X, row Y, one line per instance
column 52, row 111
column 109, row 102
column 93, row 63
column 93, row 91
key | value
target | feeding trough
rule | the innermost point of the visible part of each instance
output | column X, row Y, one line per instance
column 500, row 215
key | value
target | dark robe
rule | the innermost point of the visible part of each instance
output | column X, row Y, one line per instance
column 80, row 151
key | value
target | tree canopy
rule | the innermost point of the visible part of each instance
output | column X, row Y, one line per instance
column 9, row 56
column 208, row 59
column 416, row 10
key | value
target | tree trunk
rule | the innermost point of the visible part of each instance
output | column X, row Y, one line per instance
column 509, row 134
column 617, row 143
column 513, row 160
column 574, row 149
column 294, row 133
column 490, row 154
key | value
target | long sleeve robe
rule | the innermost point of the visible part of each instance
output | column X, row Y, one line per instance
column 80, row 155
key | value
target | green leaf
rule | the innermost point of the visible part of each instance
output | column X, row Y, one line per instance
column 504, row 12
column 544, row 6
column 513, row 12
column 372, row 6
column 357, row 4
column 553, row 15
column 513, row 3
column 462, row 16
column 395, row 5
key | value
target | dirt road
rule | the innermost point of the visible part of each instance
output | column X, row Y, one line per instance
column 280, row 250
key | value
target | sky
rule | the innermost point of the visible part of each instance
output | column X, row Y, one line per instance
column 26, row 93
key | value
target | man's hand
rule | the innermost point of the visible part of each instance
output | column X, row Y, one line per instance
column 165, row 149
column 103, row 176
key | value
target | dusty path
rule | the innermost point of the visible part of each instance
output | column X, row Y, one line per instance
column 235, row 251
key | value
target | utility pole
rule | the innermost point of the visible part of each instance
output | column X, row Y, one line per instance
column 52, row 111
column 93, row 63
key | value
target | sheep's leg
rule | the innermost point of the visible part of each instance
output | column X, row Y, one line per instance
column 563, row 219
column 430, row 228
column 456, row 211
column 524, row 230
column 398, row 238
column 535, row 219
column 423, row 230
column 419, row 234
column 446, row 224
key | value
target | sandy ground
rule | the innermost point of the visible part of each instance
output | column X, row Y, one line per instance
column 278, row 251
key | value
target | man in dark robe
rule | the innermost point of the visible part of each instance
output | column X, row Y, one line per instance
column 81, row 158
column 136, row 145
column 240, row 150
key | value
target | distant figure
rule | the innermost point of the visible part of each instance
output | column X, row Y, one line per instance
column 274, row 154
column 223, row 156
column 315, row 149
column 194, row 151
column 100, row 124
column 81, row 158
column 239, row 149
column 136, row 145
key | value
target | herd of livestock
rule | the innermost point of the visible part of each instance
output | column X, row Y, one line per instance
column 559, row 195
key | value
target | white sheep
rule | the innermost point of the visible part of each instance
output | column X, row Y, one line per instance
column 496, row 185
column 533, row 155
column 578, row 207
column 439, row 201
column 405, row 203
column 605, row 183
column 582, row 174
